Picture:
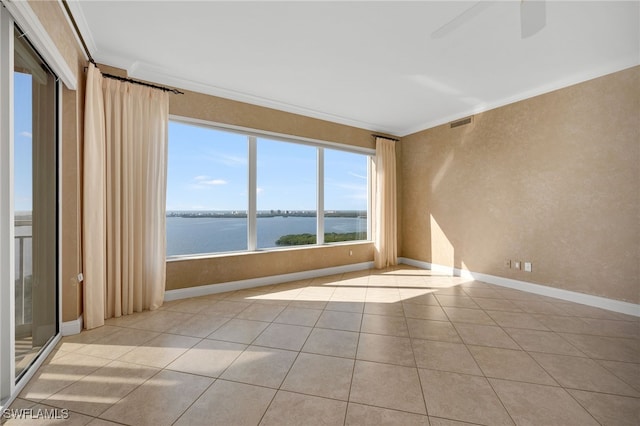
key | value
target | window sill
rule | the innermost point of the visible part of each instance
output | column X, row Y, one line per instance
column 187, row 257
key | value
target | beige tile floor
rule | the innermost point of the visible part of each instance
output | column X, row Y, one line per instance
column 397, row 347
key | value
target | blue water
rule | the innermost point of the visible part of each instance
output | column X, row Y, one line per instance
column 212, row 235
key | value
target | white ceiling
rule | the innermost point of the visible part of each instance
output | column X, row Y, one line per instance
column 370, row 64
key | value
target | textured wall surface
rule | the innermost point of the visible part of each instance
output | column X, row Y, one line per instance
column 53, row 20
column 219, row 110
column 52, row 17
column 234, row 267
column 553, row 180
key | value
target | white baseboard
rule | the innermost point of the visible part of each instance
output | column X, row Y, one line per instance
column 204, row 290
column 571, row 296
column 70, row 328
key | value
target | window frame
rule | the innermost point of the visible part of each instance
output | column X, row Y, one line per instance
column 252, row 141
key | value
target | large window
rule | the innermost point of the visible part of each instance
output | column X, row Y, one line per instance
column 230, row 190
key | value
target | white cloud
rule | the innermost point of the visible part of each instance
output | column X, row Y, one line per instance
column 351, row 187
column 259, row 190
column 230, row 160
column 204, row 181
column 26, row 134
column 213, row 182
column 358, row 176
column 225, row 159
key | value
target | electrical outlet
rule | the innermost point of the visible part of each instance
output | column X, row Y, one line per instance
column 527, row 266
column 516, row 264
column 507, row 263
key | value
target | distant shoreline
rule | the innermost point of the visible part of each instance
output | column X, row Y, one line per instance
column 279, row 213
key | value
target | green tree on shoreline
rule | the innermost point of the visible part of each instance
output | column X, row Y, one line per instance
column 329, row 237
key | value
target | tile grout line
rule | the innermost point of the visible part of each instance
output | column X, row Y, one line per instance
column 355, row 355
column 415, row 361
column 480, row 368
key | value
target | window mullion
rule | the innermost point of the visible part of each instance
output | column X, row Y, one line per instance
column 252, row 232
column 320, row 200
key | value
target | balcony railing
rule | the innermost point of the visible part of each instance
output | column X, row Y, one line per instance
column 24, row 271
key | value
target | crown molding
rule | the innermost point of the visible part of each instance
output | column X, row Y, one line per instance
column 159, row 75
column 582, row 77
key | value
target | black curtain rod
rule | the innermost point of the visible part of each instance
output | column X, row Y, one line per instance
column 385, row 137
column 142, row 83
column 115, row 77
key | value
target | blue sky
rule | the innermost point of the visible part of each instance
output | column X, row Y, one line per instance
column 22, row 198
column 207, row 170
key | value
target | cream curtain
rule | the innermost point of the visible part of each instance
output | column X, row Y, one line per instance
column 385, row 231
column 124, row 198
column 93, row 203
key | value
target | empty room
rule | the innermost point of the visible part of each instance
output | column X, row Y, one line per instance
column 319, row 212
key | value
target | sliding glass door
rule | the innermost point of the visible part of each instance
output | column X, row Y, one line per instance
column 29, row 213
column 34, row 202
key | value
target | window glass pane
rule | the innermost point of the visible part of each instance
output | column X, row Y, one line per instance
column 206, row 190
column 345, row 196
column 286, row 194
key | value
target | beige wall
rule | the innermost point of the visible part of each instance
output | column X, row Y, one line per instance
column 227, row 268
column 70, row 256
column 554, row 180
column 52, row 18
column 212, row 108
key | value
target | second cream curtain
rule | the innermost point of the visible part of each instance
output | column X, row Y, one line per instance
column 131, row 164
column 385, row 216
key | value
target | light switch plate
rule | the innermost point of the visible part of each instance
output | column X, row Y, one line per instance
column 527, row 266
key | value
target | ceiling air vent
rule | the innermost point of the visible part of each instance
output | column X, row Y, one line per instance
column 462, row 122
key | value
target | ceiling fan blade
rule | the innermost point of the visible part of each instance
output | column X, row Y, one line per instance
column 533, row 16
column 465, row 16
